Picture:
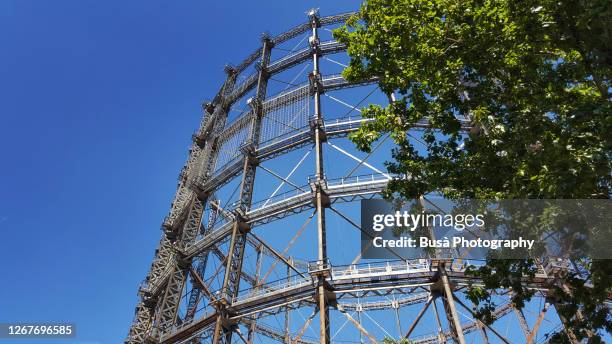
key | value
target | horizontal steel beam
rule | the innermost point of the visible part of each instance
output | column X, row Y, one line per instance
column 272, row 297
column 188, row 331
column 279, row 66
column 336, row 128
column 273, row 333
column 299, row 29
column 337, row 190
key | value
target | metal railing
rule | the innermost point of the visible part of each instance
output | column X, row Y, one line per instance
column 382, row 268
column 360, row 179
column 272, row 288
column 280, row 198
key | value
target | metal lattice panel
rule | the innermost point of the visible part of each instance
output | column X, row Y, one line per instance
column 231, row 141
column 285, row 115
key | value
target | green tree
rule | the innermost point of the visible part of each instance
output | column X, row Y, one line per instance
column 533, row 80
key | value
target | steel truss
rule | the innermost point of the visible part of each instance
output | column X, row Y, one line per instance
column 199, row 229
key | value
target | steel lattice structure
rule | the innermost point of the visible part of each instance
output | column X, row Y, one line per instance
column 179, row 302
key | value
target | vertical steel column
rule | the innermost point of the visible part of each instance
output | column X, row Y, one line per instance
column 534, row 331
column 145, row 311
column 258, row 262
column 140, row 325
column 359, row 321
column 395, row 306
column 316, row 84
column 450, row 309
column 203, row 153
column 202, row 262
column 185, row 211
column 287, row 334
column 231, row 280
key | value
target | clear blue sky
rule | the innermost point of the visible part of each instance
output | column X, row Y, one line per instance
column 98, row 100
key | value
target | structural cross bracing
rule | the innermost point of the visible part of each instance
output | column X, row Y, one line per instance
column 217, row 276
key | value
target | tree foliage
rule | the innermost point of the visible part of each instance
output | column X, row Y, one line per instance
column 533, row 80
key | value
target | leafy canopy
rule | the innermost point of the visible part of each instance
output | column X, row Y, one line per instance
column 531, row 79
